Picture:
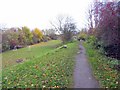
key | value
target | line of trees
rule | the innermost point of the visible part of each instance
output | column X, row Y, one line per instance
column 20, row 37
column 104, row 25
column 13, row 38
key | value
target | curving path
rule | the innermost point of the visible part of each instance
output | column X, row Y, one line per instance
column 83, row 75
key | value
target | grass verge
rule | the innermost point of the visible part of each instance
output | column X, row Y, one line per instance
column 103, row 67
column 9, row 58
column 54, row 69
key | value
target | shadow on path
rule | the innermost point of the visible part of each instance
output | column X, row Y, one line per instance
column 83, row 77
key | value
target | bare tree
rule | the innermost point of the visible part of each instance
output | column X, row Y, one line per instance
column 90, row 18
column 64, row 26
column 58, row 25
column 50, row 33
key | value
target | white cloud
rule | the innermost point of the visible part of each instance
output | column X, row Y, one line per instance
column 38, row 13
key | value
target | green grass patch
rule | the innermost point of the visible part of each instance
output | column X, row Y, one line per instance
column 53, row 69
column 102, row 67
column 9, row 58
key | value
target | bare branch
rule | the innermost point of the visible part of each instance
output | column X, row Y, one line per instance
column 54, row 26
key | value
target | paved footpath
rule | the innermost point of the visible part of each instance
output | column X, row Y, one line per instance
column 83, row 75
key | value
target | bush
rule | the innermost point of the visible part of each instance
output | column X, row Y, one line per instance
column 82, row 36
column 5, row 47
column 92, row 40
column 108, row 50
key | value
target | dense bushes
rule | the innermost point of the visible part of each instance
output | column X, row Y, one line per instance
column 19, row 37
column 113, row 51
column 106, row 27
column 110, row 50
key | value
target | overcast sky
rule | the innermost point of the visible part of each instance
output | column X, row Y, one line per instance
column 39, row 13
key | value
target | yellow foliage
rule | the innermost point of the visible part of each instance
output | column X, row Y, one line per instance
column 38, row 33
column 82, row 35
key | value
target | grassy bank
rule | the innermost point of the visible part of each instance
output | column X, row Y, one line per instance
column 9, row 58
column 53, row 69
column 102, row 67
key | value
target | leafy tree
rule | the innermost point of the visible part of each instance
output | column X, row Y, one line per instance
column 106, row 22
column 15, row 37
column 106, row 19
column 9, row 39
column 37, row 35
column 27, row 35
column 5, row 42
column 21, row 37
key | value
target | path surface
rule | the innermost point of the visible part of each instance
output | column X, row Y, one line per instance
column 83, row 75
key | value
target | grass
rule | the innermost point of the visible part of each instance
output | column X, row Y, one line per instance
column 53, row 69
column 9, row 58
column 102, row 67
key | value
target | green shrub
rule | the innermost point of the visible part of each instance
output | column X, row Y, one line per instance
column 92, row 40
